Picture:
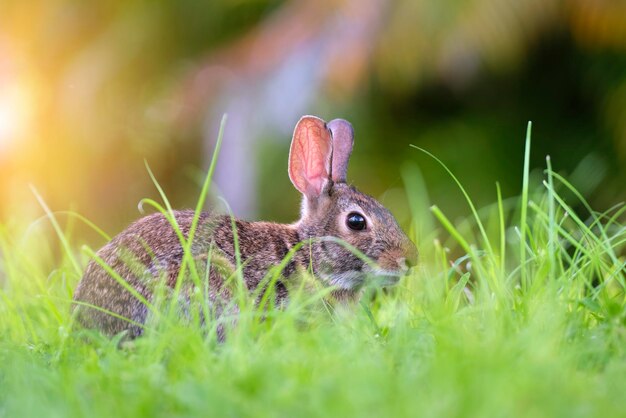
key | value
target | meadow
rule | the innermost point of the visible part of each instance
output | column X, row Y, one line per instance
column 517, row 310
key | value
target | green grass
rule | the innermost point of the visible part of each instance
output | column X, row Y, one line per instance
column 484, row 327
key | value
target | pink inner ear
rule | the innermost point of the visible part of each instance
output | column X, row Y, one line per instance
column 309, row 156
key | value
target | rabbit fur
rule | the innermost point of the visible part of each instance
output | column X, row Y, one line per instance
column 149, row 252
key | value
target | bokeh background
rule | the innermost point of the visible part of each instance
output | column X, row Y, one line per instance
column 88, row 90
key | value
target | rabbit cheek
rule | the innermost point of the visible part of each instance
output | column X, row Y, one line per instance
column 346, row 280
column 337, row 266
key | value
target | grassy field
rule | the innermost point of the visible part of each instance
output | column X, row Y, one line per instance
column 485, row 327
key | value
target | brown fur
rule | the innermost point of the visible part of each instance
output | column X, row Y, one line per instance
column 149, row 253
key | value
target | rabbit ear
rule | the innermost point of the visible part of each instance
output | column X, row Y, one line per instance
column 309, row 156
column 343, row 139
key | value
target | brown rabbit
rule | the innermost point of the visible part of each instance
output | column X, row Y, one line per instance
column 149, row 250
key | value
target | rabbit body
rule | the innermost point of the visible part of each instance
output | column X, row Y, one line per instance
column 149, row 251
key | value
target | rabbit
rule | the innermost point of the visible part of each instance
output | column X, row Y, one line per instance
column 149, row 250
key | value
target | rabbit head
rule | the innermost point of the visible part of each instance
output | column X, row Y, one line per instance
column 334, row 211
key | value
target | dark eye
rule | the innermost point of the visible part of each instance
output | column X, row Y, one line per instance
column 355, row 221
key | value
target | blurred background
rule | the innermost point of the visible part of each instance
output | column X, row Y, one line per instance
column 88, row 90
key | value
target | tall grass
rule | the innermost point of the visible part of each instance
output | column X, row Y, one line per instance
column 518, row 310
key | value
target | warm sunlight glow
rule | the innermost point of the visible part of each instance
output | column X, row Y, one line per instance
column 14, row 114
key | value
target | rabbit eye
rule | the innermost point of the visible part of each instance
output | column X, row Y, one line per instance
column 355, row 221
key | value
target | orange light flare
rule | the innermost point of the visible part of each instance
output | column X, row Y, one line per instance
column 19, row 118
column 16, row 103
column 14, row 112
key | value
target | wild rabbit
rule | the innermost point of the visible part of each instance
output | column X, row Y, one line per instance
column 149, row 251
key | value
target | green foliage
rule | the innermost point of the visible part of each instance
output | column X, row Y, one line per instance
column 488, row 325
